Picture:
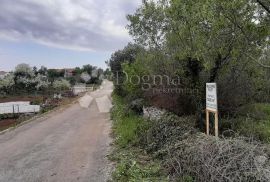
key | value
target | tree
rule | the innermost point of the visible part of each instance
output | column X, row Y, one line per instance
column 24, row 77
column 85, row 77
column 25, row 83
column 42, row 82
column 54, row 74
column 88, row 68
column 148, row 25
column 265, row 5
column 61, row 84
column 77, row 71
column 107, row 72
column 23, row 70
column 7, row 83
column 208, row 41
column 43, row 70
column 35, row 70
column 127, row 55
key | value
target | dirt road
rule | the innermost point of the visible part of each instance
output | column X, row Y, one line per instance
column 64, row 146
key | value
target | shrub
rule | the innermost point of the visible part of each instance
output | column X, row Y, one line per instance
column 252, row 120
column 137, row 106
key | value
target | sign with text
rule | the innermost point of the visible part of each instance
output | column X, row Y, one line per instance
column 211, row 97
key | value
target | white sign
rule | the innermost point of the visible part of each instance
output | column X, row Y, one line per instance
column 211, row 97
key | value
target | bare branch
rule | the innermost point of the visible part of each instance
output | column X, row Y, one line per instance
column 256, row 61
column 264, row 6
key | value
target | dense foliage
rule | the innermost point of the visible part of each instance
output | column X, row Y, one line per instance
column 127, row 55
column 25, row 79
column 185, row 44
column 182, row 46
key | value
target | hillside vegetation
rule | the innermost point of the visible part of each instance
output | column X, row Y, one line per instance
column 179, row 47
column 172, row 149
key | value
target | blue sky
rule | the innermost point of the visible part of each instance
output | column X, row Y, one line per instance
column 62, row 33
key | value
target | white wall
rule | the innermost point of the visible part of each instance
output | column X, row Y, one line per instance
column 18, row 107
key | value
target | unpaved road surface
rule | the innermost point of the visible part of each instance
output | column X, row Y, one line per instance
column 64, row 146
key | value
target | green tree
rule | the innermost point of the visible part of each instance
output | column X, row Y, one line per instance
column 54, row 74
column 208, row 41
column 43, row 70
column 77, row 71
column 24, row 77
column 88, row 68
column 127, row 55
column 23, row 70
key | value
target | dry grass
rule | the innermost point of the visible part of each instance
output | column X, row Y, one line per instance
column 209, row 159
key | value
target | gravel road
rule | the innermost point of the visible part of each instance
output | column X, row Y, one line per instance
column 63, row 146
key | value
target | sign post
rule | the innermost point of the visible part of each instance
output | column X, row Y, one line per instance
column 211, row 105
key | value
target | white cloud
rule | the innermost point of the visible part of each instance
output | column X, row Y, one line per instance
column 74, row 24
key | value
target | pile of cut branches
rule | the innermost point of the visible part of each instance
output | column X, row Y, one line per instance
column 186, row 152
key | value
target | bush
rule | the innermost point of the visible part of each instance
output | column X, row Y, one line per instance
column 257, row 129
column 252, row 120
column 137, row 106
column 68, row 94
column 37, row 101
column 47, row 108
column 8, row 116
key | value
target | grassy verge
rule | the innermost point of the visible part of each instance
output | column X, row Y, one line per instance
column 252, row 121
column 132, row 162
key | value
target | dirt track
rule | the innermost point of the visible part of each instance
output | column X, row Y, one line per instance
column 65, row 146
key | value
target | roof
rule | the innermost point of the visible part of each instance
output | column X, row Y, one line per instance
column 69, row 69
column 63, row 69
column 3, row 72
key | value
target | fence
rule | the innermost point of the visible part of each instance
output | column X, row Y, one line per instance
column 18, row 107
